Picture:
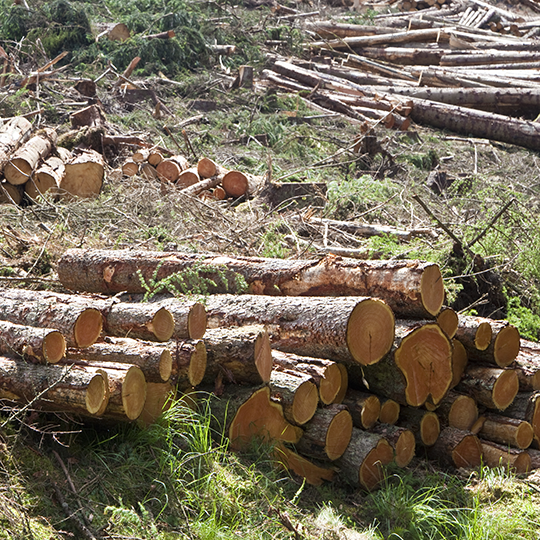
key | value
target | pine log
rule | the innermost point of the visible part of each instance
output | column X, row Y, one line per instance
column 206, row 168
column 474, row 333
column 156, row 362
column 189, row 363
column 482, row 57
column 424, row 425
column 130, row 168
column 332, row 29
column 80, row 325
column 458, row 411
column 148, row 172
column 52, row 387
column 140, row 156
column 11, row 194
column 12, row 134
column 418, row 368
column 83, row 175
column 344, row 383
column 460, row 360
column 187, row 178
column 291, row 461
column 326, row 374
column 457, row 448
column 497, row 455
column 507, row 431
column 390, row 411
column 363, row 461
column 238, row 184
column 158, row 400
column 169, row 169
column 47, row 177
column 448, row 320
column 527, row 366
column 21, row 164
column 203, row 185
column 155, row 158
column 327, row 434
column 43, row 344
column 412, row 288
column 352, row 330
column 249, row 414
column 535, row 458
column 238, row 355
column 494, row 388
column 364, row 408
column 402, row 440
column 296, row 393
column 526, row 407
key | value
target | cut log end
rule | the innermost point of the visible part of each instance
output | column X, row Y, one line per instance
column 522, row 463
column 88, row 327
column 344, row 384
column 370, row 331
column 165, row 365
column 158, row 400
column 54, row 347
column 263, row 356
column 390, row 410
column 235, row 183
column 305, row 402
column 338, row 435
column 134, row 392
column 524, row 435
column 197, row 365
column 467, row 453
column 505, row 389
column 330, row 384
column 430, row 428
column 459, row 362
column 463, row 413
column 197, row 321
column 162, row 325
column 405, row 448
column 483, row 336
column 371, row 471
column 506, row 346
column 206, row 168
column 96, row 394
column 301, row 466
column 370, row 412
column 448, row 320
column 432, row 289
column 18, row 171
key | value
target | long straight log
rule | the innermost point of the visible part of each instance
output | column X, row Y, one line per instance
column 42, row 344
column 498, row 455
column 507, row 431
column 352, row 329
column 412, row 288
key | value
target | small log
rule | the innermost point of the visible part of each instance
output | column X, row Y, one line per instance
column 458, row 411
column 390, row 411
column 363, row 461
column 238, row 355
column 327, row 435
column 249, row 414
column 168, row 34
column 52, row 387
column 11, row 194
column 47, row 177
column 206, row 168
column 130, row 168
column 148, row 172
column 496, row 455
column 238, row 184
column 43, row 344
column 424, row 425
column 344, row 384
column 155, row 361
column 91, row 116
column 474, row 333
column 448, row 320
column 12, row 134
column 188, row 178
column 189, row 363
column 155, row 158
column 460, row 360
column 457, row 448
column 291, row 461
column 296, row 393
column 411, row 288
column 21, row 164
column 494, row 388
column 507, row 431
column 159, row 398
column 169, row 169
column 526, row 407
column 203, row 185
column 326, row 374
column 527, row 366
column 83, row 175
column 402, row 440
column 364, row 408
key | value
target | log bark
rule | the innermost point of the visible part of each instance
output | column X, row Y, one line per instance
column 458, row 411
column 189, row 363
column 412, row 288
column 527, row 366
column 155, row 361
column 507, row 431
column 23, row 162
column 494, row 388
column 331, row 29
column 249, row 414
column 42, row 344
column 291, row 461
column 457, row 448
column 327, row 434
column 296, row 393
column 238, row 355
column 402, row 440
column 364, row 408
column 326, row 374
column 390, row 411
column 418, row 368
column 363, row 461
column 52, row 387
column 12, row 134
column 526, row 407
column 474, row 333
column 83, row 175
column 202, row 185
column 424, row 425
column 497, row 455
column 47, row 178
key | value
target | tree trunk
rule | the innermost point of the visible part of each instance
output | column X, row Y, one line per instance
column 83, row 175
column 527, row 366
column 424, row 425
column 12, row 134
column 364, row 408
column 291, row 461
column 189, row 363
column 418, row 367
column 526, row 407
column 457, row 448
column 155, row 361
column 43, row 344
column 506, row 431
column 55, row 387
column 496, row 455
column 363, row 461
column 326, row 374
column 494, row 388
column 22, row 163
column 458, row 411
column 238, row 355
column 475, row 58
column 411, row 288
column 402, row 440
column 296, row 393
column 249, row 414
column 390, row 410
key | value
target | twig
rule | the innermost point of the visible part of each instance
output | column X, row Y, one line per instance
column 490, row 224
column 188, row 143
column 168, row 132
